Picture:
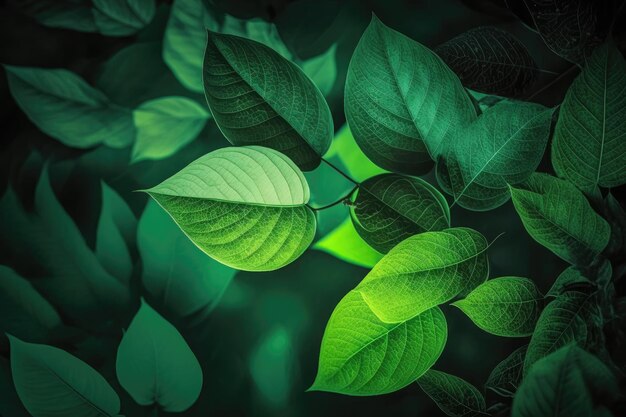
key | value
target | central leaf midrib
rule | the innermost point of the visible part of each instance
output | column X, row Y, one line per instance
column 219, row 200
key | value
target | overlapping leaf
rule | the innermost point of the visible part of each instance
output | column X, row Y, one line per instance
column 507, row 375
column 345, row 243
column 453, row 395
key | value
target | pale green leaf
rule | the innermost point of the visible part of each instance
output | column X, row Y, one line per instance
column 589, row 147
column 245, row 207
column 453, row 395
column 389, row 208
column 507, row 306
column 425, row 270
column 505, row 378
column 557, row 215
column 360, row 355
column 322, row 69
column 165, row 125
column 122, row 17
column 401, row 101
column 155, row 365
column 65, row 107
column 51, row 382
column 345, row 243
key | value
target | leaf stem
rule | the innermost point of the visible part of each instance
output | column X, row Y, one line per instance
column 341, row 200
column 551, row 83
column 343, row 174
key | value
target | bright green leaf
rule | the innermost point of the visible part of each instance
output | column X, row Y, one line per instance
column 155, row 364
column 589, row 146
column 388, row 208
column 244, row 207
column 122, row 17
column 401, row 101
column 505, row 378
column 425, row 270
column 345, row 243
column 507, row 306
column 360, row 355
column 453, row 395
column 559, row 217
column 51, row 382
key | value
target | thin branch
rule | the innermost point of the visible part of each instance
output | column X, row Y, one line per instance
column 551, row 83
column 341, row 200
column 343, row 174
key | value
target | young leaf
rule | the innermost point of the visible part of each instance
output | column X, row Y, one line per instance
column 423, row 271
column 155, row 364
column 245, row 207
column 257, row 97
column 65, row 107
column 176, row 273
column 589, row 147
column 559, row 217
column 401, row 101
column 389, row 208
column 490, row 60
column 507, row 375
column 51, row 382
column 503, row 146
column 507, row 306
column 345, row 243
column 568, row 383
column 165, row 125
column 122, row 17
column 453, row 395
column 360, row 355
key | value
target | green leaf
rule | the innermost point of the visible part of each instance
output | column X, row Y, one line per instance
column 571, row 276
column 257, row 97
column 165, row 125
column 425, row 270
column 176, row 274
column 559, row 217
column 65, row 107
column 23, row 311
column 51, row 382
column 507, row 306
column 155, row 364
column 563, row 321
column 345, row 243
column 490, row 60
column 401, row 101
column 388, row 208
column 453, row 395
column 360, row 355
column 122, row 17
column 589, row 147
column 66, row 14
column 568, row 383
column 244, row 207
column 503, row 146
column 322, row 69
column 507, row 375
column 10, row 404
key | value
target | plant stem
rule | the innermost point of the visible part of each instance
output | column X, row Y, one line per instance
column 342, row 199
column 343, row 174
column 551, row 83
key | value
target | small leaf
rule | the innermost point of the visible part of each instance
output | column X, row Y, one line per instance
column 490, row 60
column 453, row 395
column 264, row 99
column 559, row 217
column 65, row 107
column 568, row 383
column 66, row 14
column 51, row 382
column 389, row 208
column 401, row 101
column 589, row 147
column 165, row 125
column 507, row 375
column 507, row 306
column 360, row 355
column 122, row 17
column 155, row 364
column 245, row 207
column 423, row 271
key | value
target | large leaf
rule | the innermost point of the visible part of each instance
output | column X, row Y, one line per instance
column 65, row 107
column 245, row 207
column 423, row 271
column 258, row 97
column 490, row 60
column 507, row 306
column 51, row 382
column 155, row 364
column 589, row 146
column 559, row 217
column 165, row 125
column 360, row 355
column 388, row 208
column 122, row 17
column 503, row 146
column 401, row 101
column 505, row 378
column 453, row 395
column 568, row 383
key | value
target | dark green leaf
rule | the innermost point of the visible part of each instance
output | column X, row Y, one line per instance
column 453, row 395
column 507, row 375
column 122, row 17
column 571, row 276
column 66, row 14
